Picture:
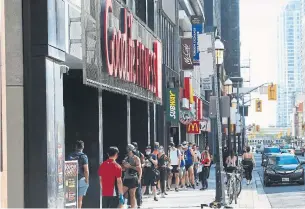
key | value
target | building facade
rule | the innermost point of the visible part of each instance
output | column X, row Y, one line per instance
column 289, row 60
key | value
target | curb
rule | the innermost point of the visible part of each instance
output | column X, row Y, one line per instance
column 260, row 187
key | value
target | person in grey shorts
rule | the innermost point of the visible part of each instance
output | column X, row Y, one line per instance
column 182, row 170
column 83, row 170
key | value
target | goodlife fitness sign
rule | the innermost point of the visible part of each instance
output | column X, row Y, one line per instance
column 127, row 58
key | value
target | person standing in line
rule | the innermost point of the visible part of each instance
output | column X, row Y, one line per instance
column 156, row 152
column 139, row 189
column 182, row 168
column 249, row 163
column 189, row 164
column 150, row 173
column 162, row 164
column 110, row 173
column 175, row 159
column 197, row 157
column 83, row 170
column 205, row 162
column 133, row 174
column 211, row 157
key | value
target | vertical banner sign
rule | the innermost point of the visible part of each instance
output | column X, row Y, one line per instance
column 71, row 183
column 197, row 28
column 172, row 108
column 187, row 53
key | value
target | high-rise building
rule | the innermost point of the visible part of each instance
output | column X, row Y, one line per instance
column 289, row 60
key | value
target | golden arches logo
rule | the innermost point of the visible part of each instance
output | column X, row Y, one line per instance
column 193, row 127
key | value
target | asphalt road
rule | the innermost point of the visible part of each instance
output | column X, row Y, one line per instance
column 283, row 196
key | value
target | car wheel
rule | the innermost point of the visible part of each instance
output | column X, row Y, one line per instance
column 266, row 184
column 302, row 182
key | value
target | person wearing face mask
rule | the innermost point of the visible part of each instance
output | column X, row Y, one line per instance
column 133, row 174
column 150, row 173
column 175, row 159
column 162, row 164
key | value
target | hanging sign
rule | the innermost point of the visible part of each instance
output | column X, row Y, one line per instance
column 186, row 117
column 197, row 28
column 193, row 128
column 187, row 53
column 71, row 183
column 172, row 107
column 206, row 84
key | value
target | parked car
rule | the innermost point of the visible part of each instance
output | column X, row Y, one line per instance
column 299, row 151
column 259, row 149
column 268, row 151
column 287, row 151
column 283, row 169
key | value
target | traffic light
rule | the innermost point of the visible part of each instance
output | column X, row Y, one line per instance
column 258, row 106
column 272, row 89
column 258, row 128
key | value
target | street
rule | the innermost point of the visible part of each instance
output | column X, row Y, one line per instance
column 283, row 196
column 254, row 195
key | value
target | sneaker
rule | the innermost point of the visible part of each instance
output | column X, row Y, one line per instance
column 193, row 186
column 165, row 193
column 248, row 182
column 176, row 189
column 202, row 189
column 155, row 199
column 162, row 195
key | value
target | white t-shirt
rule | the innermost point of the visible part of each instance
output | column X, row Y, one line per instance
column 197, row 155
column 173, row 155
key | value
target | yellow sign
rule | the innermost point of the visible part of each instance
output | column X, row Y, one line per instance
column 258, row 106
column 272, row 92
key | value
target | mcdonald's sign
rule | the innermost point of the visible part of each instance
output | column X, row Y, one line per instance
column 193, row 128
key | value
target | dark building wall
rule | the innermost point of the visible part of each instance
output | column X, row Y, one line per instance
column 231, row 36
column 114, row 122
column 139, row 123
column 43, row 109
column 82, row 123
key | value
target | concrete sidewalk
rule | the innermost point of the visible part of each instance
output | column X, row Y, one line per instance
column 252, row 196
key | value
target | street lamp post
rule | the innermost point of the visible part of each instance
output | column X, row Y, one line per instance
column 229, row 89
column 219, row 50
column 234, row 105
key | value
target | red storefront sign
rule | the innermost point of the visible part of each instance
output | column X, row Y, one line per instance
column 193, row 128
column 129, row 59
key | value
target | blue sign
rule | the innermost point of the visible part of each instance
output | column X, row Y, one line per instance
column 197, row 28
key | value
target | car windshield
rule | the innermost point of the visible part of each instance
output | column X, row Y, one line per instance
column 284, row 160
column 272, row 150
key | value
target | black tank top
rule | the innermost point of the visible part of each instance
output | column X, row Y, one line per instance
column 161, row 161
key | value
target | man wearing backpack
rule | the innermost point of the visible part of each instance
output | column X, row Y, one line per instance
column 175, row 160
column 83, row 170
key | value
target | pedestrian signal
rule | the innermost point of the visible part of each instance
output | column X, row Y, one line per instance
column 258, row 105
column 272, row 89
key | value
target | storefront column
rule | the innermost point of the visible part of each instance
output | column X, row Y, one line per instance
column 148, row 123
column 101, row 139
column 128, row 121
column 155, row 123
column 179, row 129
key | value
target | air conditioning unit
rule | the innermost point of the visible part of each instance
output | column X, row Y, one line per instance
column 185, row 104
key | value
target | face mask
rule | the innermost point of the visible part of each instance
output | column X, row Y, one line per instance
column 148, row 152
column 161, row 150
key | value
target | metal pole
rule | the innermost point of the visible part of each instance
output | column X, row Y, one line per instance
column 219, row 163
column 237, row 112
column 244, row 125
column 128, row 121
column 229, row 144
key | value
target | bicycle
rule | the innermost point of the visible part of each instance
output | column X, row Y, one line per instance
column 233, row 184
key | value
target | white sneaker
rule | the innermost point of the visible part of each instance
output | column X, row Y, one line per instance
column 248, row 182
column 162, row 195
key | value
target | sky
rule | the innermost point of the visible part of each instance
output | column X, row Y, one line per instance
column 258, row 35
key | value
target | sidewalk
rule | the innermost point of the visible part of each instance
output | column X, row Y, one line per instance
column 252, row 196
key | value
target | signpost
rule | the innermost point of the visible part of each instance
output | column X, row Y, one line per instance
column 206, row 84
column 71, row 184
